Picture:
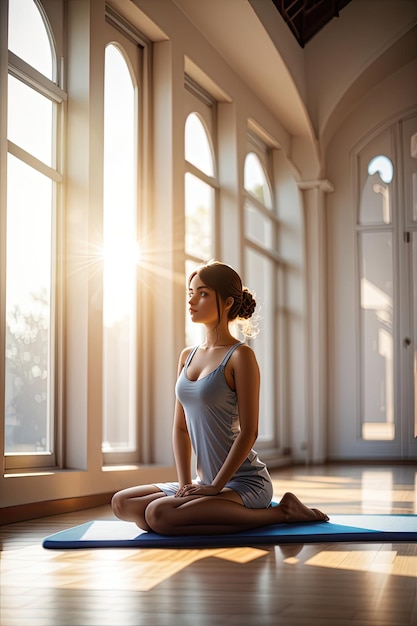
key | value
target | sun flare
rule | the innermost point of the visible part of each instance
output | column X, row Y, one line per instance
column 120, row 261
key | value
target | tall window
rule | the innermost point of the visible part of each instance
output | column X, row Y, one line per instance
column 120, row 256
column 34, row 102
column 200, row 187
column 263, row 273
column 376, row 265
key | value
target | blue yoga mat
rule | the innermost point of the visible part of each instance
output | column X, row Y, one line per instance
column 348, row 528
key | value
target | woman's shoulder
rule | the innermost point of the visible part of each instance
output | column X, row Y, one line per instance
column 184, row 354
column 244, row 367
column 186, row 351
column 243, row 354
column 243, row 348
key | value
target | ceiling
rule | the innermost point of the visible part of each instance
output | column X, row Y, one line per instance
column 252, row 54
column 306, row 17
column 309, row 90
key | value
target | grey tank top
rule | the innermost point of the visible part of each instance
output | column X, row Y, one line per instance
column 212, row 417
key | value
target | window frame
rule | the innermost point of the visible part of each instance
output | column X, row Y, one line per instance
column 51, row 89
column 129, row 457
column 202, row 104
column 273, row 446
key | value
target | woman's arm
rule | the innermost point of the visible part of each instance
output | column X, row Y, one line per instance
column 180, row 437
column 247, row 381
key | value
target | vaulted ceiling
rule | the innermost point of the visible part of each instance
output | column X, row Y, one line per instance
column 306, row 17
column 309, row 90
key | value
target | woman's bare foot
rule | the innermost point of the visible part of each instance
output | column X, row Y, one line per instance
column 296, row 511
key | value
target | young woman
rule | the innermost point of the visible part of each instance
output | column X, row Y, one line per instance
column 216, row 416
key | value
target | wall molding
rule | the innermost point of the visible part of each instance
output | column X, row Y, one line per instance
column 35, row 510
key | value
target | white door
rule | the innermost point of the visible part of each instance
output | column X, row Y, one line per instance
column 387, row 295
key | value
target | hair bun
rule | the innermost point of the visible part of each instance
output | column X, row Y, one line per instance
column 248, row 305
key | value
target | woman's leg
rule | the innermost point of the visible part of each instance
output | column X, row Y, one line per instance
column 130, row 504
column 202, row 515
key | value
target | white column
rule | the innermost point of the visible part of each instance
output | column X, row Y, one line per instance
column 314, row 196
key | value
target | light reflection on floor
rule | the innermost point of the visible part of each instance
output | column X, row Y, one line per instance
column 124, row 569
column 371, row 491
column 363, row 490
column 381, row 558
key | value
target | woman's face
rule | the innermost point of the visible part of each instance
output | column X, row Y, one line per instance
column 202, row 302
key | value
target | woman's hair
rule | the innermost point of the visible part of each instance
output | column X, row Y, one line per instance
column 227, row 283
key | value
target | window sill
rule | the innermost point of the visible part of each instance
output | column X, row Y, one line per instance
column 26, row 473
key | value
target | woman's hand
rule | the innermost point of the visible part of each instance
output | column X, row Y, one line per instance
column 196, row 490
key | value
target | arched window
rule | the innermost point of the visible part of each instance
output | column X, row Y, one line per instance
column 255, row 180
column 29, row 37
column 120, row 256
column 259, row 219
column 200, row 187
column 33, row 178
column 264, row 274
column 197, row 146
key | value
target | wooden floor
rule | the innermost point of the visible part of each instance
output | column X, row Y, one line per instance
column 343, row 584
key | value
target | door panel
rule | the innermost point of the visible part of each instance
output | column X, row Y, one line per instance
column 379, row 419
